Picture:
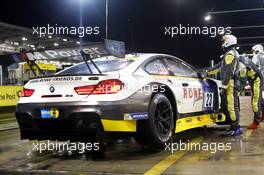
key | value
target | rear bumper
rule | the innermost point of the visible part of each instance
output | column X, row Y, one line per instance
column 78, row 121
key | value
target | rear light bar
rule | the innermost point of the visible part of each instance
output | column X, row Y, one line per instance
column 27, row 92
column 104, row 87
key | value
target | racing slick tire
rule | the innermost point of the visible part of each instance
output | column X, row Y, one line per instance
column 159, row 128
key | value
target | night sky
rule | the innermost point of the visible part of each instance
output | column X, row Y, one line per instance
column 140, row 23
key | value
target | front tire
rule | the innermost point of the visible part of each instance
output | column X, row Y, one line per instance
column 159, row 128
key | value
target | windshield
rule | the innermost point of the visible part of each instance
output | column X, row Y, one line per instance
column 104, row 66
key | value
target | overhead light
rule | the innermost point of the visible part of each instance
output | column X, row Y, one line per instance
column 43, row 47
column 207, row 17
column 77, row 42
column 56, row 44
column 34, row 48
column 11, row 42
column 64, row 39
column 32, row 45
column 24, row 39
column 16, row 43
column 49, row 36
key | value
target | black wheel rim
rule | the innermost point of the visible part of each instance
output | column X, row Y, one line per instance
column 163, row 118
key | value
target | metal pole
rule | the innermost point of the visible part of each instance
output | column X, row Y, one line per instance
column 250, row 37
column 211, row 63
column 248, row 27
column 106, row 19
column 1, row 76
column 235, row 11
column 249, row 44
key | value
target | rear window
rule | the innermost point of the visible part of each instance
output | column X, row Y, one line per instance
column 104, row 66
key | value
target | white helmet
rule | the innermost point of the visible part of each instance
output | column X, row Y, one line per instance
column 258, row 49
column 229, row 40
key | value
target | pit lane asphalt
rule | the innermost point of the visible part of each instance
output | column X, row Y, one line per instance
column 127, row 157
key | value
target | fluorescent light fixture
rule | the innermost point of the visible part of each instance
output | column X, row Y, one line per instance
column 207, row 17
column 24, row 39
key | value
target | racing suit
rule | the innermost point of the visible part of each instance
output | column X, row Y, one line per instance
column 227, row 68
column 258, row 59
column 255, row 78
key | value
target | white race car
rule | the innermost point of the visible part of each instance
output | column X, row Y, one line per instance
column 148, row 96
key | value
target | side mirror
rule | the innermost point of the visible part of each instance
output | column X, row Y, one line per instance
column 203, row 74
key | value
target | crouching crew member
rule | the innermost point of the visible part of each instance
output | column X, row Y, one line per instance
column 258, row 59
column 255, row 79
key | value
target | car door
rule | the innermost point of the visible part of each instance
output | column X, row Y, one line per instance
column 193, row 94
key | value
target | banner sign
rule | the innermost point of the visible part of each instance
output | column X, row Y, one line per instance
column 97, row 49
column 9, row 95
column 109, row 47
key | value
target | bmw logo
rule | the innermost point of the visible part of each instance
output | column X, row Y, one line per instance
column 51, row 89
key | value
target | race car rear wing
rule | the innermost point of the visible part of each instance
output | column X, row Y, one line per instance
column 115, row 48
column 94, row 50
column 31, row 63
column 86, row 52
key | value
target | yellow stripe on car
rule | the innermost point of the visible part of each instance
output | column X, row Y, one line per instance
column 197, row 121
column 119, row 125
column 181, row 124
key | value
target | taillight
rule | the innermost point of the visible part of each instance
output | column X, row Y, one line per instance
column 104, row 87
column 27, row 92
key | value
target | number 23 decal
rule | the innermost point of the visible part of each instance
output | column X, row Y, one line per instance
column 209, row 99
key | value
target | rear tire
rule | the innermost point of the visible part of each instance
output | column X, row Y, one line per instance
column 159, row 128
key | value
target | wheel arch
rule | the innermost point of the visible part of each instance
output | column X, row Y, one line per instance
column 164, row 89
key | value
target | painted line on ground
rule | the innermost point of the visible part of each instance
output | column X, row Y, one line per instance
column 169, row 160
column 248, row 133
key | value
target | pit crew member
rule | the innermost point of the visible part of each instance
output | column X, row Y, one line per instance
column 227, row 68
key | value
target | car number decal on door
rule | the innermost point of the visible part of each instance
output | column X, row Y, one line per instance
column 209, row 99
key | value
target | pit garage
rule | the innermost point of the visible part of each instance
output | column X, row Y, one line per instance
column 105, row 87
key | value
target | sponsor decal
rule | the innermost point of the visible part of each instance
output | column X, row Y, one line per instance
column 188, row 120
column 56, row 79
column 196, row 94
column 9, row 95
column 136, row 116
column 189, row 93
column 52, row 89
column 69, row 52
column 208, row 99
column 54, row 112
column 50, row 113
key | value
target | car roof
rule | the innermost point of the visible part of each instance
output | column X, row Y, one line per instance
column 138, row 59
